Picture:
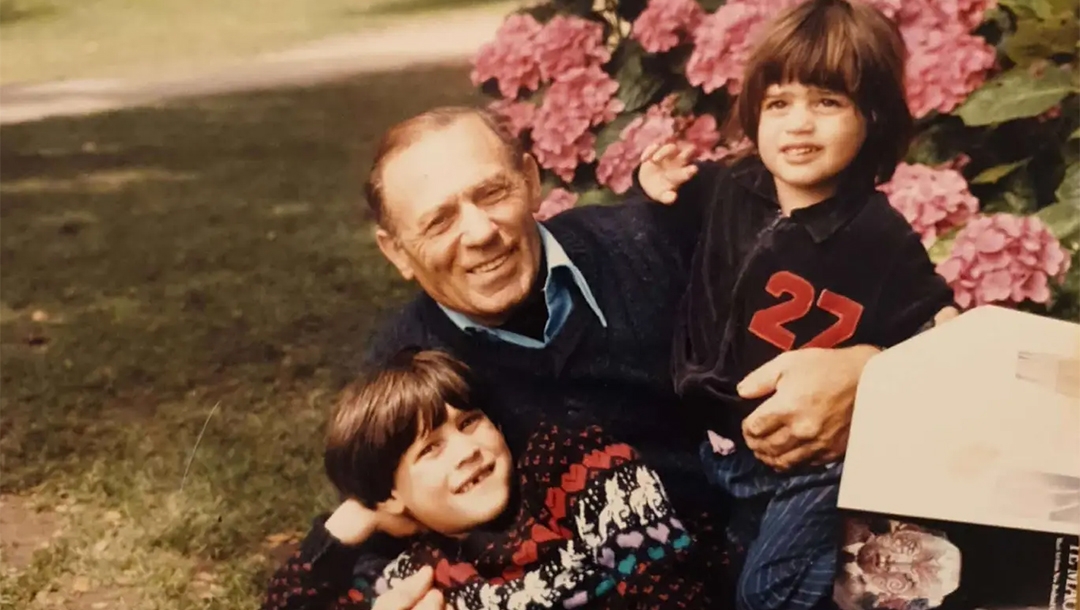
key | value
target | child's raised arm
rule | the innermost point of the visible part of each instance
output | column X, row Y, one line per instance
column 323, row 574
column 664, row 168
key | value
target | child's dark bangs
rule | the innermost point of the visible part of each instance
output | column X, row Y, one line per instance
column 408, row 407
column 819, row 53
column 438, row 382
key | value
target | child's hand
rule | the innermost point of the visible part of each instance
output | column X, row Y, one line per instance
column 353, row 523
column 664, row 169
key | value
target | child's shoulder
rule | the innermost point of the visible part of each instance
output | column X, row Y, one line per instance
column 887, row 223
column 553, row 451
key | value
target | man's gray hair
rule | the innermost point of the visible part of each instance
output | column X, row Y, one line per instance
column 408, row 132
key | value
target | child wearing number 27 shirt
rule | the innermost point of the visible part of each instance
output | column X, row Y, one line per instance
column 797, row 250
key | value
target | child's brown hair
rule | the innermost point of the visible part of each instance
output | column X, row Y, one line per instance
column 847, row 47
column 380, row 415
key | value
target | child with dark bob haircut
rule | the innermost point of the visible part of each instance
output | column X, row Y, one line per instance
column 575, row 520
column 797, row 250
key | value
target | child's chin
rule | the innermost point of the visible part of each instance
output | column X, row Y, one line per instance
column 490, row 507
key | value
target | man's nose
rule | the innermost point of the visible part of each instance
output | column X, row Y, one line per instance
column 477, row 227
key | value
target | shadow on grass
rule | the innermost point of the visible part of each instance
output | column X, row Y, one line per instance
column 160, row 262
column 14, row 11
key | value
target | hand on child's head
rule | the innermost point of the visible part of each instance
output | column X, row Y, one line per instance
column 352, row 523
column 664, row 168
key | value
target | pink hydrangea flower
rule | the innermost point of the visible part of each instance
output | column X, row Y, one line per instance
column 890, row 8
column 945, row 62
column 519, row 115
column 932, row 200
column 664, row 24
column 578, row 100
column 942, row 14
column 944, row 67
column 557, row 201
column 616, row 167
column 970, row 13
column 723, row 43
column 700, row 132
column 569, row 42
column 1003, row 258
column 657, row 125
column 510, row 58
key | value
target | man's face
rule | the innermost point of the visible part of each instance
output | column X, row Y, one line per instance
column 456, row 477
column 807, row 136
column 459, row 220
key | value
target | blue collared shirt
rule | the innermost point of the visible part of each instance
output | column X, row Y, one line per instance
column 557, row 295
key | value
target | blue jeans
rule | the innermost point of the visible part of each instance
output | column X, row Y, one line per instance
column 789, row 525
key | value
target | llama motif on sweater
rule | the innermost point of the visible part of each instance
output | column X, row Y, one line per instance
column 594, row 526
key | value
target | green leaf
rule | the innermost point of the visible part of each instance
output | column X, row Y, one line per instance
column 1069, row 190
column 1013, row 95
column 637, row 87
column 1063, row 219
column 686, row 99
column 711, row 5
column 991, row 175
column 1017, row 195
column 1075, row 135
column 581, row 8
column 596, row 196
column 1038, row 39
column 942, row 247
column 1056, row 7
column 610, row 133
column 1029, row 9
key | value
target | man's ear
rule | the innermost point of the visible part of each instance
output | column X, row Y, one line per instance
column 393, row 252
column 531, row 171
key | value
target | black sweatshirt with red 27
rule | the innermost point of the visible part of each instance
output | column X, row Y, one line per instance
column 846, row 271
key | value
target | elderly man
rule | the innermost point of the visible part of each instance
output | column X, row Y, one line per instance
column 570, row 320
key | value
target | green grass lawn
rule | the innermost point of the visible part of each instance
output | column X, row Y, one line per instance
column 53, row 39
column 196, row 264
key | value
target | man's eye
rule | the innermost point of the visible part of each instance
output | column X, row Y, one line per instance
column 438, row 225
column 494, row 196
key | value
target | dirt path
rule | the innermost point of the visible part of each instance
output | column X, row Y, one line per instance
column 427, row 39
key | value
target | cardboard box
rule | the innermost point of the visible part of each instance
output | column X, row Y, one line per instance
column 961, row 484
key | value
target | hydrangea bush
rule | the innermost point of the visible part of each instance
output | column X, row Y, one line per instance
column 990, row 181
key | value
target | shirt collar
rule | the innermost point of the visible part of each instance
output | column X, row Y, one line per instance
column 821, row 220
column 555, row 258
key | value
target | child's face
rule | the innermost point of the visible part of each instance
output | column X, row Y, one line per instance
column 457, row 476
column 807, row 136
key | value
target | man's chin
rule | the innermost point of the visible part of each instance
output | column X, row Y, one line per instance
column 498, row 307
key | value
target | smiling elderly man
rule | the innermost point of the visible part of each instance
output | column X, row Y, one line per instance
column 570, row 320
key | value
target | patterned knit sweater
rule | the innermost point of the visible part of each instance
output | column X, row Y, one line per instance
column 592, row 528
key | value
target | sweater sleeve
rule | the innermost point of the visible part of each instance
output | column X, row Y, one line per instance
column 681, row 221
column 324, row 574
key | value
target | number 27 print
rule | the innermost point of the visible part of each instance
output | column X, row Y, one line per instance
column 768, row 323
